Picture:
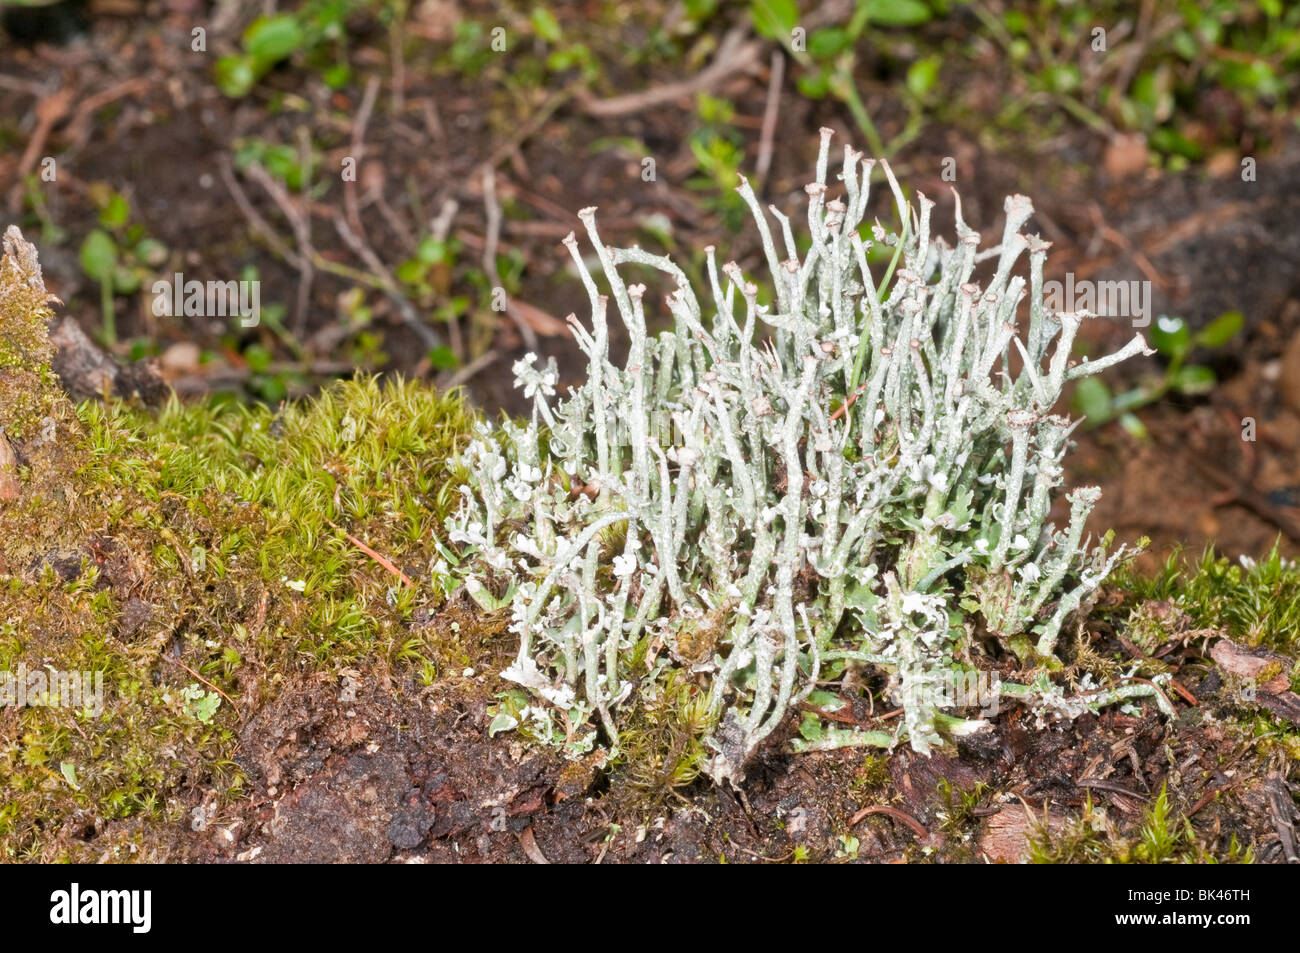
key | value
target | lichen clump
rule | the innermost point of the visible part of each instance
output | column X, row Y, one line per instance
column 841, row 473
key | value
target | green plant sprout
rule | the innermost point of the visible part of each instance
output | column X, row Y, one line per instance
column 117, row 255
column 1175, row 342
column 318, row 31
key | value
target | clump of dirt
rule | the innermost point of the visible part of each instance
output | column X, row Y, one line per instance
column 375, row 771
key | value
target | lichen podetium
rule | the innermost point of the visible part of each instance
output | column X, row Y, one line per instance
column 850, row 474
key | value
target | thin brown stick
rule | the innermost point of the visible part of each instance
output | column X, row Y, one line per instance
column 378, row 557
column 529, row 844
column 234, row 707
column 734, row 55
column 358, row 149
column 469, row 370
column 405, row 309
column 1114, row 787
column 397, row 65
column 1207, row 797
column 77, row 129
column 848, row 403
column 298, row 222
column 493, row 238
column 770, row 111
column 255, row 220
column 1183, row 692
column 906, row 819
column 48, row 113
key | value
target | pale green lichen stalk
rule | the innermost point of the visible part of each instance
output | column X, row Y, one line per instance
column 752, row 477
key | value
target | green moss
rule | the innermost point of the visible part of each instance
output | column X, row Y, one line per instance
column 662, row 749
column 1257, row 603
column 28, row 388
column 1160, row 837
column 201, row 558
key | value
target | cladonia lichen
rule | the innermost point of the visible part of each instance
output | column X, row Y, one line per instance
column 832, row 474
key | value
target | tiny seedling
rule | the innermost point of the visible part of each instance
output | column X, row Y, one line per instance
column 1175, row 341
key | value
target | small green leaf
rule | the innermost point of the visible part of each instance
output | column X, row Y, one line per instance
column 69, row 772
column 922, row 75
column 545, row 25
column 827, row 43
column 1194, row 380
column 125, row 280
column 443, row 359
column 432, row 251
column 337, row 76
column 270, row 39
column 896, row 12
column 1172, row 142
column 810, row 727
column 98, row 256
column 1133, row 425
column 1092, row 398
column 1221, row 330
column 774, row 19
column 258, row 358
column 411, row 272
column 115, row 213
column 1171, row 336
column 826, row 701
column 235, row 75
column 815, row 84
column 1063, row 78
column 151, row 252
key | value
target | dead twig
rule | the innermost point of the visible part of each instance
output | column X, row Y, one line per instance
column 734, row 55
column 529, row 844
column 357, row 149
column 470, row 370
column 493, row 208
column 298, row 222
column 378, row 557
column 1113, row 787
column 388, row 283
column 766, row 137
column 1207, row 797
column 906, row 819
column 79, row 128
column 48, row 113
column 848, row 403
column 254, row 218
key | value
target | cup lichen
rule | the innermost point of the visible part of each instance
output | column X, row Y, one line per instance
column 850, row 472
